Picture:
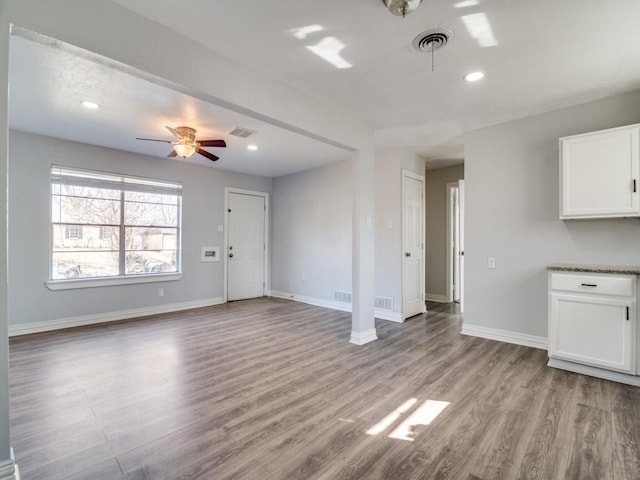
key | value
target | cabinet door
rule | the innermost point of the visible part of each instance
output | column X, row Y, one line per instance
column 599, row 174
column 593, row 331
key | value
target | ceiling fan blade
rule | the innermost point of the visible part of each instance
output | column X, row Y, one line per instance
column 154, row 140
column 212, row 143
column 172, row 154
column 175, row 132
column 204, row 153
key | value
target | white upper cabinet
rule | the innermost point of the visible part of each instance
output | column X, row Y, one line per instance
column 600, row 174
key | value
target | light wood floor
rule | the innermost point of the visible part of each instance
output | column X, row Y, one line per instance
column 270, row 389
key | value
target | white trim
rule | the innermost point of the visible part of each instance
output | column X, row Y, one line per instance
column 386, row 315
column 82, row 320
column 450, row 186
column 343, row 307
column 432, row 297
column 8, row 469
column 420, row 178
column 107, row 282
column 505, row 336
column 267, row 250
column 594, row 372
column 318, row 302
column 361, row 338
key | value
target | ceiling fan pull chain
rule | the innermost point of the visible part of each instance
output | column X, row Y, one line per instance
column 433, row 68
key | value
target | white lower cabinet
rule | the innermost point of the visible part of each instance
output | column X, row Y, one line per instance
column 592, row 320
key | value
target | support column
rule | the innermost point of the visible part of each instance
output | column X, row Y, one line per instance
column 7, row 469
column 363, row 328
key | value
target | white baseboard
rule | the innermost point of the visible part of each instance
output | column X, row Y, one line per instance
column 595, row 372
column 361, row 338
column 432, row 297
column 387, row 315
column 9, row 470
column 505, row 336
column 83, row 320
column 318, row 302
column 343, row 307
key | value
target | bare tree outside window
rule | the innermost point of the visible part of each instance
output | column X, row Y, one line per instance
column 105, row 225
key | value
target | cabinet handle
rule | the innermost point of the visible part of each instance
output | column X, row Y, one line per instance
column 634, row 185
column 627, row 314
column 589, row 284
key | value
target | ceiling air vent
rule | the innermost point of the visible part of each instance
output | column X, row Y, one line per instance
column 241, row 132
column 433, row 39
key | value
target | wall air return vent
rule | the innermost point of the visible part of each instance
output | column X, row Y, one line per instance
column 343, row 297
column 241, row 132
column 383, row 303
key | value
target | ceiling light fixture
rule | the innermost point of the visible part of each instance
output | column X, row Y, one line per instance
column 252, row 147
column 88, row 104
column 401, row 7
column 184, row 150
column 473, row 76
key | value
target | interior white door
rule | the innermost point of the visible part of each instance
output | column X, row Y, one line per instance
column 413, row 244
column 461, row 241
column 246, row 246
column 456, row 243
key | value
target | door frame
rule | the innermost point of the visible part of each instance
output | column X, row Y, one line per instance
column 267, row 249
column 420, row 178
column 450, row 216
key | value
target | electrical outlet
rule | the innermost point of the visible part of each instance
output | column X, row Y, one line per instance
column 491, row 262
column 161, row 292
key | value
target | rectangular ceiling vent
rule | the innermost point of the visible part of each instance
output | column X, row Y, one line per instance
column 344, row 297
column 383, row 303
column 241, row 132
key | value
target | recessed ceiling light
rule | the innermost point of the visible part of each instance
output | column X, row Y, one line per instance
column 89, row 104
column 473, row 76
column 252, row 147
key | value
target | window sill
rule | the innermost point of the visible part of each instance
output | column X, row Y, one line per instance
column 107, row 282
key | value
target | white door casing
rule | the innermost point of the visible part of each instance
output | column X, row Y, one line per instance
column 246, row 244
column 452, row 289
column 412, row 244
column 461, row 196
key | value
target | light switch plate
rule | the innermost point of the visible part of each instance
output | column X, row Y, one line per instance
column 491, row 262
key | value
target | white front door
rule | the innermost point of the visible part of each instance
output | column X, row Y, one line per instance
column 412, row 244
column 246, row 246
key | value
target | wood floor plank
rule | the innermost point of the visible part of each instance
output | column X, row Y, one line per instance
column 626, row 444
column 270, row 389
column 591, row 449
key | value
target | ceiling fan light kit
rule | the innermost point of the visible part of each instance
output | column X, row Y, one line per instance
column 401, row 7
column 186, row 144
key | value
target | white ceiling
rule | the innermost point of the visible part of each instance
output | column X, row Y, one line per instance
column 548, row 54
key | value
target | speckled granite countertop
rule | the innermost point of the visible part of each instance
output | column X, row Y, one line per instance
column 577, row 267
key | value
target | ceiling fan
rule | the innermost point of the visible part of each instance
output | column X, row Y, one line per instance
column 186, row 144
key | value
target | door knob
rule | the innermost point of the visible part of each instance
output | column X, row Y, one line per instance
column 407, row 254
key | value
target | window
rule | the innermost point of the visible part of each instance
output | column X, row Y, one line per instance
column 72, row 232
column 109, row 225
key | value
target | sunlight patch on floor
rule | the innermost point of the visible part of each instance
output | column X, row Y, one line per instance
column 426, row 413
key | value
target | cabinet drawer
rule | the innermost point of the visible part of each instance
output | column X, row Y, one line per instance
column 618, row 285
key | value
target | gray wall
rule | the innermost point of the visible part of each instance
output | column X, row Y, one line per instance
column 388, row 220
column 436, row 226
column 30, row 159
column 311, row 232
column 511, row 212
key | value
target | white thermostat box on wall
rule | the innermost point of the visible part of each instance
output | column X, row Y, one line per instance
column 210, row 254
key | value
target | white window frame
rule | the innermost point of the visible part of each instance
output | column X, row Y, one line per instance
column 122, row 182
